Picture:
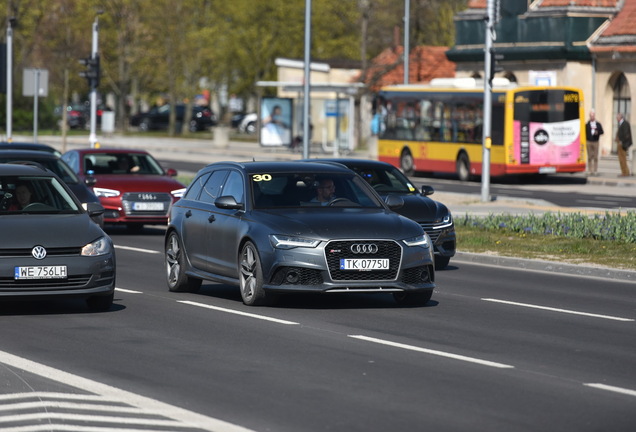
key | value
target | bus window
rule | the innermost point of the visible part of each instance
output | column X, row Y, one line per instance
column 424, row 132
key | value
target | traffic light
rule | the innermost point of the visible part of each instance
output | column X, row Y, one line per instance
column 92, row 71
column 494, row 65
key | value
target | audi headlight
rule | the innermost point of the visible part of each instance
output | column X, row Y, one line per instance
column 106, row 193
column 446, row 221
column 290, row 242
column 101, row 246
column 178, row 193
column 421, row 240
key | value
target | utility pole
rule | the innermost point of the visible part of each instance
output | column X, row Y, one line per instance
column 488, row 75
column 307, row 83
column 407, row 36
column 92, row 74
column 95, row 81
column 12, row 23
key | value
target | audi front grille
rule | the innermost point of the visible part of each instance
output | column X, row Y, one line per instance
column 371, row 249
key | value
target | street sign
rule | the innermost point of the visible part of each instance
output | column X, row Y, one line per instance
column 29, row 79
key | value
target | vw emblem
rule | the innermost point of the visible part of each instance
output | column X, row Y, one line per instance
column 369, row 248
column 38, row 252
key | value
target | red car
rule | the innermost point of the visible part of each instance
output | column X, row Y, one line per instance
column 131, row 184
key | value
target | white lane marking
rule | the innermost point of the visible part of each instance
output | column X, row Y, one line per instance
column 59, row 427
column 188, row 418
column 134, row 249
column 128, row 291
column 609, row 317
column 612, row 389
column 88, row 418
column 232, row 311
column 433, row 352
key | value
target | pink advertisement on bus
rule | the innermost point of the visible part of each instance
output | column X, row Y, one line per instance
column 547, row 143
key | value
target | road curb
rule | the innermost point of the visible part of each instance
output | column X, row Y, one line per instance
column 547, row 266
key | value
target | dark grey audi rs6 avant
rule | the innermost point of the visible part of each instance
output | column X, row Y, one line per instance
column 276, row 227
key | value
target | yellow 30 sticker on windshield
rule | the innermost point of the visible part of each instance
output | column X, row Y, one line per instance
column 261, row 177
column 411, row 188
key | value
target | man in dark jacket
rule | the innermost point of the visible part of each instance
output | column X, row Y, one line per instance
column 624, row 140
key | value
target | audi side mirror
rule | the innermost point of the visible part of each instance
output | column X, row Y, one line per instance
column 394, row 202
column 427, row 190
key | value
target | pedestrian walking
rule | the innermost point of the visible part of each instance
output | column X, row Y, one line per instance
column 624, row 140
column 593, row 132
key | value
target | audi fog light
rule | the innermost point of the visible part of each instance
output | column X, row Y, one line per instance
column 101, row 246
column 417, row 241
column 289, row 242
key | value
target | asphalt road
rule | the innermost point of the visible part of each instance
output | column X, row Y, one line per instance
column 496, row 349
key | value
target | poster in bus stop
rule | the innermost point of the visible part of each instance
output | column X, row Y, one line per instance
column 276, row 117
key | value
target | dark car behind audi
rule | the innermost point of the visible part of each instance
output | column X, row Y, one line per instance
column 260, row 226
column 433, row 216
column 25, row 145
column 50, row 246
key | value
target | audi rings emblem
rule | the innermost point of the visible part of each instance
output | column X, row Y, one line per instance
column 368, row 248
column 38, row 252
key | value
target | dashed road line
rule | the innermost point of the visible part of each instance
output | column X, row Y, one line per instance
column 134, row 249
column 236, row 312
column 128, row 291
column 433, row 352
column 567, row 311
column 612, row 389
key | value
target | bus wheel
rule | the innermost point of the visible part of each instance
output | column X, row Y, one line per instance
column 463, row 167
column 406, row 162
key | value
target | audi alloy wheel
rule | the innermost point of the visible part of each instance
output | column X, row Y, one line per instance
column 251, row 276
column 177, row 280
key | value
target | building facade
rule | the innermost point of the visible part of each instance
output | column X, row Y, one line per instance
column 590, row 44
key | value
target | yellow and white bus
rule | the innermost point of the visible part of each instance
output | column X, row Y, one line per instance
column 440, row 129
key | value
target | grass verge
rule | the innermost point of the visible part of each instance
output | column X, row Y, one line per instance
column 503, row 242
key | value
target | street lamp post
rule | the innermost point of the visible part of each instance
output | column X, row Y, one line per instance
column 93, row 94
column 407, row 45
column 9, row 111
column 488, row 74
column 307, row 84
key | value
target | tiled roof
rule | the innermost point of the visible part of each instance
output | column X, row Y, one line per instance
column 579, row 3
column 623, row 22
column 482, row 4
column 425, row 63
column 620, row 33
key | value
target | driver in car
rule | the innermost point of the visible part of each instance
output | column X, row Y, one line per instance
column 23, row 194
column 325, row 192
